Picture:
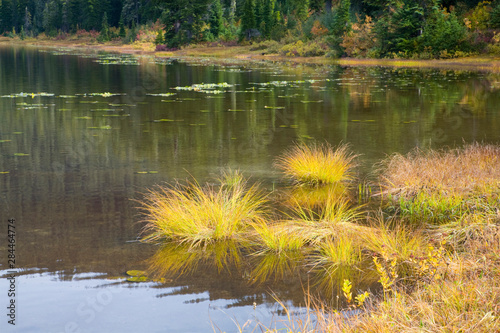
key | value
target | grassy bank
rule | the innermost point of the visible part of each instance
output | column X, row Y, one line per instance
column 239, row 53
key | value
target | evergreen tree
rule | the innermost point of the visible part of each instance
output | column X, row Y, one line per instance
column 50, row 17
column 65, row 13
column 183, row 20
column 302, row 9
column 130, row 12
column 104, row 35
column 122, row 33
column 38, row 16
column 339, row 25
column 27, row 25
column 248, row 22
column 259, row 13
column 216, row 19
column 6, row 15
column 268, row 18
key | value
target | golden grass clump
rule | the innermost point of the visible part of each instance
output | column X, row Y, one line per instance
column 318, row 164
column 199, row 215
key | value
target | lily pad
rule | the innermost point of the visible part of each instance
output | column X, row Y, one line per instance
column 305, row 102
column 274, row 107
column 21, row 154
column 162, row 95
column 135, row 272
column 138, row 279
column 105, row 127
column 162, row 120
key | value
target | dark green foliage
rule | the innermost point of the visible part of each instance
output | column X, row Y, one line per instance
column 51, row 17
column 122, row 33
column 216, row 19
column 301, row 9
column 183, row 21
column 401, row 27
column 132, row 33
column 159, row 40
column 398, row 31
column 6, row 15
column 104, row 36
column 338, row 23
column 27, row 24
column 248, row 21
column 495, row 17
column 443, row 31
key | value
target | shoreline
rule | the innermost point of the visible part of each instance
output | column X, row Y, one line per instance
column 243, row 53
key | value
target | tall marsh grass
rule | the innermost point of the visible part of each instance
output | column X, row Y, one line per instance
column 200, row 215
column 318, row 164
column 438, row 186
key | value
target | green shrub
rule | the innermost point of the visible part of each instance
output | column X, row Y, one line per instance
column 301, row 49
column 443, row 31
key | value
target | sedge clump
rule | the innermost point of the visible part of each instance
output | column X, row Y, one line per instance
column 318, row 164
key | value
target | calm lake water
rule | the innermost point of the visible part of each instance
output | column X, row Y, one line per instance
column 83, row 136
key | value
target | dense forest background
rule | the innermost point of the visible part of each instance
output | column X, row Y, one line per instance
column 355, row 28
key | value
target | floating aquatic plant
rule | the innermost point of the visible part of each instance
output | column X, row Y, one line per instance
column 210, row 88
column 162, row 94
column 32, row 95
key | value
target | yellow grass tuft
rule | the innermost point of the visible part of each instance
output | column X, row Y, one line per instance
column 318, row 164
column 199, row 215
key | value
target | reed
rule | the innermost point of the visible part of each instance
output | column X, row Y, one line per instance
column 199, row 215
column 318, row 164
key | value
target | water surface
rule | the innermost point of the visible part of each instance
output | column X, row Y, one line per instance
column 83, row 136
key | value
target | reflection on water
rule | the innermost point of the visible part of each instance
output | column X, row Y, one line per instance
column 90, row 303
column 81, row 137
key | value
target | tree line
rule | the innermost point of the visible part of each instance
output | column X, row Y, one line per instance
column 364, row 28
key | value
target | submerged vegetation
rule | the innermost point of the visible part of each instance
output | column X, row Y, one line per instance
column 435, row 268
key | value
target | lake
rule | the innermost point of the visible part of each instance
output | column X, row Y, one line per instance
column 84, row 135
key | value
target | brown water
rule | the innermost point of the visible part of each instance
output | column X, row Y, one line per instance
column 72, row 164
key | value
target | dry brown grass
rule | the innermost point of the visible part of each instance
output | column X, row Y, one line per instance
column 438, row 186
